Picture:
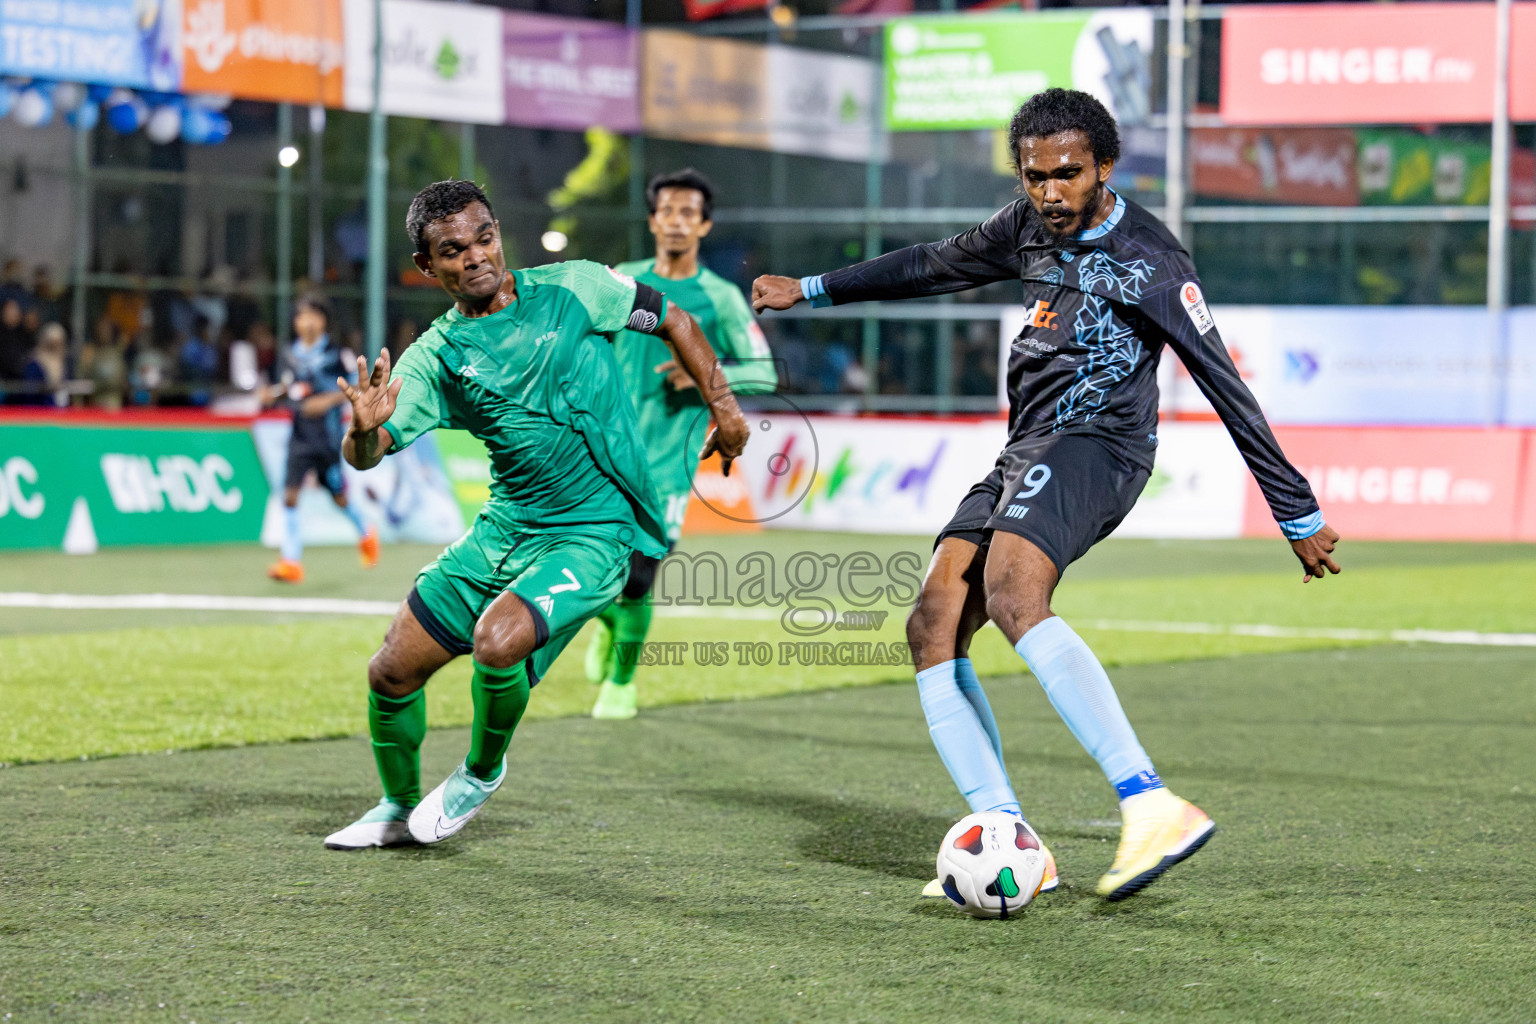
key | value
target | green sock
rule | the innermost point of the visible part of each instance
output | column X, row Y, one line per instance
column 631, row 622
column 397, row 728
column 500, row 696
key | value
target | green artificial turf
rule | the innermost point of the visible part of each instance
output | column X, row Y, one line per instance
column 760, row 860
column 96, row 683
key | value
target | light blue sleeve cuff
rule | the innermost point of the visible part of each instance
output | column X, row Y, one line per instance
column 813, row 289
column 1301, row 529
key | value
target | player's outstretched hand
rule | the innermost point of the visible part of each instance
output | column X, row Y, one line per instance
column 774, row 292
column 728, row 437
column 1316, row 553
column 373, row 400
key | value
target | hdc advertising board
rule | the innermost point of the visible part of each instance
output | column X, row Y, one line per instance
column 1422, row 63
column 134, row 486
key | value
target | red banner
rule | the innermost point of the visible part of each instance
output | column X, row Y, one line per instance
column 1525, row 525
column 1405, row 484
column 1305, row 166
column 1422, row 63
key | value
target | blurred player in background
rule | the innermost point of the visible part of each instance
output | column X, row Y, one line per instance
column 1106, row 288
column 670, row 411
column 308, row 389
column 524, row 362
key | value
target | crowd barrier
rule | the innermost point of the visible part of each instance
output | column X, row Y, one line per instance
column 79, row 481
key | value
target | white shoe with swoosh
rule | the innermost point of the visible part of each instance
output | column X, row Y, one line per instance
column 452, row 804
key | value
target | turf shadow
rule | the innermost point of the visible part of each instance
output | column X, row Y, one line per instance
column 867, row 836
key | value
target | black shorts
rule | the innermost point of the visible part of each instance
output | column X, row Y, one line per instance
column 325, row 462
column 1062, row 493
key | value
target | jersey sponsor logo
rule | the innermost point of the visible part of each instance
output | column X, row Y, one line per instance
column 1194, row 305
column 1016, row 511
column 643, row 320
column 1053, row 276
column 1040, row 315
column 546, row 336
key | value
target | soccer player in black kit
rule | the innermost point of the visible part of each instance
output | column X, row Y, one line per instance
column 1106, row 286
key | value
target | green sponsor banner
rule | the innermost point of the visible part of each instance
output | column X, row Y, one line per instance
column 115, row 486
column 468, row 466
column 974, row 71
column 1407, row 168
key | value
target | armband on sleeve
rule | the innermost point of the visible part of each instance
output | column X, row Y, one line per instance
column 649, row 310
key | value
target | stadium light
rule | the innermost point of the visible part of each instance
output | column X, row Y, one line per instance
column 554, row 241
column 288, row 156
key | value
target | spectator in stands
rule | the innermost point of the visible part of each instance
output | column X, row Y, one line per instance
column 151, row 370
column 13, row 285
column 45, row 295
column 129, row 310
column 15, row 341
column 104, row 362
column 45, row 378
column 197, row 361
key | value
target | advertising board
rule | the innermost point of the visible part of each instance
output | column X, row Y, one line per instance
column 974, row 70
column 285, row 51
column 1404, row 484
column 571, row 73
column 128, row 486
column 132, row 43
column 1423, row 63
column 441, row 61
column 407, row 496
column 704, row 90
column 1301, row 166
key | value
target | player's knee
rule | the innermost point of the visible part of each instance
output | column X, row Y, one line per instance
column 1016, row 613
column 498, row 643
column 930, row 622
column 388, row 677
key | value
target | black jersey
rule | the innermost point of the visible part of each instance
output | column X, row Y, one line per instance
column 1098, row 313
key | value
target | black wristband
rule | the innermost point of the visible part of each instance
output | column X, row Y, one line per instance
column 645, row 315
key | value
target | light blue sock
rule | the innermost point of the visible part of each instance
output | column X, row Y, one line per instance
column 970, row 688
column 357, row 520
column 1085, row 699
column 962, row 742
column 293, row 539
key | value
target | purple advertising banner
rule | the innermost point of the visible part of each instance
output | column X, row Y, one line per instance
column 571, row 73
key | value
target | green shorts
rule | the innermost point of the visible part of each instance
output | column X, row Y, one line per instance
column 564, row 577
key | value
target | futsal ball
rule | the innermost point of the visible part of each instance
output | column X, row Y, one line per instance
column 991, row 864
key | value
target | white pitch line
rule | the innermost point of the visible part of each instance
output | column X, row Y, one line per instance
column 338, row 606
column 196, row 603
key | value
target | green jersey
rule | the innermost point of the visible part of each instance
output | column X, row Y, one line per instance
column 539, row 384
column 672, row 422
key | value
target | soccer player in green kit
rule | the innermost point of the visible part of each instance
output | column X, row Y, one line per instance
column 669, row 405
column 523, row 361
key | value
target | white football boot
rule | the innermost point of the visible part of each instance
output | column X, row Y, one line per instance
column 452, row 804
column 384, row 825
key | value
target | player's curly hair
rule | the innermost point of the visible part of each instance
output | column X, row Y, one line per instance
column 1065, row 110
column 685, row 178
column 438, row 200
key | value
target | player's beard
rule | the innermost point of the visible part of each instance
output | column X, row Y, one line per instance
column 1066, row 241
